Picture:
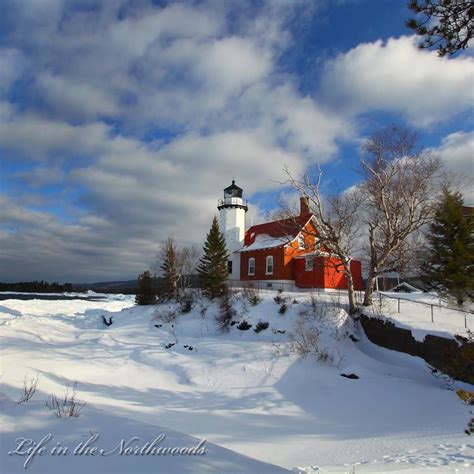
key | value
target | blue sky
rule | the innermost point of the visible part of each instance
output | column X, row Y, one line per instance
column 122, row 121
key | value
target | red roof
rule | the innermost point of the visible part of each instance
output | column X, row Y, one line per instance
column 288, row 228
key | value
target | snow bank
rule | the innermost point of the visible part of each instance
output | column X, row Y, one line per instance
column 249, row 392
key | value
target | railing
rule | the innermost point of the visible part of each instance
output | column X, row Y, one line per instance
column 232, row 201
column 450, row 315
column 455, row 317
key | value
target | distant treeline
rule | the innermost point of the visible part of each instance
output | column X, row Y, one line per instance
column 36, row 287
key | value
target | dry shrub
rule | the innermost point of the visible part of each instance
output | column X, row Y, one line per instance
column 226, row 313
column 29, row 388
column 66, row 406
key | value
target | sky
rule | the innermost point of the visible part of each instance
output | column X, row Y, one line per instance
column 122, row 121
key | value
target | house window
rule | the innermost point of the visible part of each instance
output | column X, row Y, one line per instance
column 229, row 266
column 301, row 244
column 269, row 265
column 251, row 268
column 308, row 267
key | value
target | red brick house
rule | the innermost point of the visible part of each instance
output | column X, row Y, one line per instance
column 283, row 251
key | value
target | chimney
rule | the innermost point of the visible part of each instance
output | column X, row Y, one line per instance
column 304, row 207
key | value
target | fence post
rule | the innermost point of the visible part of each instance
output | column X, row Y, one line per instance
column 465, row 321
column 398, row 304
column 432, row 319
column 380, row 298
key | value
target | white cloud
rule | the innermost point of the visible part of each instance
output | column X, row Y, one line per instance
column 40, row 138
column 396, row 76
column 76, row 99
column 12, row 65
column 208, row 97
column 457, row 153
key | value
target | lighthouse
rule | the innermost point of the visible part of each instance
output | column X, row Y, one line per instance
column 232, row 210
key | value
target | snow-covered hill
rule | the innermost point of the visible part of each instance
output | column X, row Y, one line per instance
column 155, row 370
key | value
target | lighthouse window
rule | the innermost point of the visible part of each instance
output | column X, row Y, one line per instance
column 269, row 269
column 229, row 266
column 251, row 269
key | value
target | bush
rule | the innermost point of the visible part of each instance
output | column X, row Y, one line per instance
column 244, row 326
column 279, row 297
column 251, row 295
column 468, row 399
column 30, row 386
column 261, row 326
column 283, row 308
column 254, row 300
column 66, row 406
column 226, row 313
column 305, row 340
column 167, row 316
column 186, row 303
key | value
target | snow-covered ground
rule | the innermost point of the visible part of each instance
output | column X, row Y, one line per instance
column 249, row 393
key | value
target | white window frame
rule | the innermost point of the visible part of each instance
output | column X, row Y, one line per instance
column 301, row 242
column 249, row 266
column 308, row 264
column 269, row 263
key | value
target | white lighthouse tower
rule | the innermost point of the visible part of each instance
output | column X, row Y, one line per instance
column 232, row 210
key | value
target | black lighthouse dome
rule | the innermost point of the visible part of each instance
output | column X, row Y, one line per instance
column 233, row 191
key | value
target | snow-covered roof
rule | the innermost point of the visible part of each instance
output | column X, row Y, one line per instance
column 275, row 233
column 263, row 241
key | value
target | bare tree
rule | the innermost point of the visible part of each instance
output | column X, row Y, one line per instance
column 188, row 259
column 176, row 265
column 398, row 194
column 336, row 223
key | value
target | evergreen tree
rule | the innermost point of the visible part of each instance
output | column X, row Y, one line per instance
column 450, row 262
column 170, row 268
column 146, row 291
column 446, row 24
column 212, row 268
